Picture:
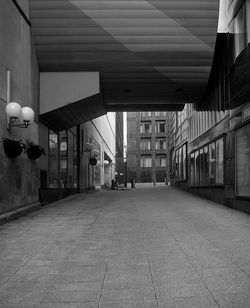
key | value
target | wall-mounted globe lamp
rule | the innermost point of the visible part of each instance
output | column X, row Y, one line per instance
column 106, row 162
column 15, row 111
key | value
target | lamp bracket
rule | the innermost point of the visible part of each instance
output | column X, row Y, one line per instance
column 12, row 123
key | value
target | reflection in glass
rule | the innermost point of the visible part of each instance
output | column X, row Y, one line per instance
column 243, row 161
column 75, row 158
column 212, row 165
column 192, row 168
column 63, row 159
column 197, row 167
column 184, row 162
column 53, row 159
column 219, row 161
column 146, row 161
column 239, row 31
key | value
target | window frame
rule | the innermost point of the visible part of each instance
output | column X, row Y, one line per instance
column 181, row 163
column 213, row 141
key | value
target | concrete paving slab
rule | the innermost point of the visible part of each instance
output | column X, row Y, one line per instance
column 148, row 247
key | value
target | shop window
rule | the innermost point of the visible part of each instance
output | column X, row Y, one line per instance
column 219, row 162
column 53, row 159
column 197, row 167
column 63, row 182
column 146, row 161
column 212, row 163
column 160, row 161
column 145, row 127
column 207, row 164
column 184, row 160
column 70, row 159
column 160, row 144
column 204, row 166
column 145, row 144
column 192, row 168
column 243, row 161
column 75, row 160
column 181, row 163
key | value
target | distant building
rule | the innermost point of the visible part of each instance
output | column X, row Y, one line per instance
column 147, row 146
column 119, row 146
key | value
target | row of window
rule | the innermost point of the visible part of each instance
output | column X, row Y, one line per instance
column 181, row 163
column 242, row 157
column 207, row 164
column 160, row 144
column 149, row 114
column 63, row 159
column 238, row 28
column 146, row 161
column 146, row 127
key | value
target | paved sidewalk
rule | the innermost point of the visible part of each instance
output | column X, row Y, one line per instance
column 140, row 248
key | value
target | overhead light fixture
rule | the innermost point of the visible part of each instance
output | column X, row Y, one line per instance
column 15, row 111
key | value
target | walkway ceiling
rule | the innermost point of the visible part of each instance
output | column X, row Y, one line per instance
column 151, row 55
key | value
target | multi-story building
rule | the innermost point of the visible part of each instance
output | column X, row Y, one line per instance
column 147, row 146
column 209, row 143
column 119, row 156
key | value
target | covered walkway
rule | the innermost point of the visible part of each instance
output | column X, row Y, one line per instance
column 148, row 247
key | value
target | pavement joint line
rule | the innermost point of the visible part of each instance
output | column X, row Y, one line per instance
column 152, row 281
column 225, row 255
column 195, row 268
column 99, row 301
column 150, row 271
column 18, row 270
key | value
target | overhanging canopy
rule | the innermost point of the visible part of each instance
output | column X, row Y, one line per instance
column 149, row 53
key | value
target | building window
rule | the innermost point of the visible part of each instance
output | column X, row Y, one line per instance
column 145, row 127
column 162, row 113
column 160, row 126
column 160, row 161
column 239, row 29
column 212, row 163
column 75, row 160
column 243, row 161
column 145, row 114
column 219, row 161
column 160, row 144
column 192, row 168
column 146, row 161
column 53, row 159
column 145, row 144
column 204, row 162
column 181, row 163
column 207, row 164
column 63, row 159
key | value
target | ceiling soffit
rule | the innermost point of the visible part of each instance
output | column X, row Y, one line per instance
column 157, row 52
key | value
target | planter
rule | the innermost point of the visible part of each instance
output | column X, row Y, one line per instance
column 13, row 148
column 34, row 151
column 92, row 161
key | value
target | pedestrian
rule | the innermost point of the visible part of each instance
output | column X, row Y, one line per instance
column 154, row 180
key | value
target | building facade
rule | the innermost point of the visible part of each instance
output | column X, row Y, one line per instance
column 209, row 142
column 67, row 168
column 147, row 146
column 25, row 181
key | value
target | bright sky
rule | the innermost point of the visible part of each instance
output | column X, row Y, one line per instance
column 125, row 128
